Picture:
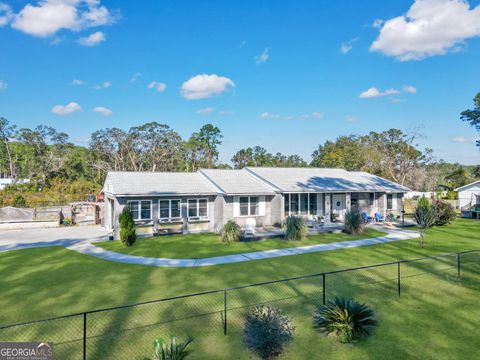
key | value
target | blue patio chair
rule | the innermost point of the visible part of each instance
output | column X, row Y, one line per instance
column 366, row 218
column 379, row 217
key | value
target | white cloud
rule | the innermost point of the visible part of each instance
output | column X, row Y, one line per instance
column 347, row 46
column 351, row 119
column 104, row 85
column 205, row 86
column 207, row 110
column 410, row 89
column 6, row 14
column 77, row 82
column 314, row 115
column 47, row 17
column 3, row 85
column 273, row 116
column 135, row 77
column 263, row 57
column 459, row 139
column 93, row 39
column 63, row 110
column 430, row 27
column 158, row 86
column 373, row 92
column 269, row 115
column 103, row 111
column 377, row 23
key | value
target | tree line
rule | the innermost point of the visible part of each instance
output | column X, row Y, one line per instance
column 48, row 158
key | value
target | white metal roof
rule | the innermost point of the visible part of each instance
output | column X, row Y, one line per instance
column 324, row 180
column 158, row 183
column 236, row 182
column 464, row 187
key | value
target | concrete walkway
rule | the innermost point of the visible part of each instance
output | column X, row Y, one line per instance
column 83, row 244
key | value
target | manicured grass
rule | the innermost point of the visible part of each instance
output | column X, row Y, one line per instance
column 208, row 245
column 435, row 317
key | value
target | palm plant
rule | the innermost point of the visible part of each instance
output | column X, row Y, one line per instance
column 296, row 228
column 425, row 217
column 348, row 319
column 353, row 222
column 171, row 351
column 231, row 232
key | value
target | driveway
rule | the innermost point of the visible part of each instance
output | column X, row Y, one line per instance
column 63, row 236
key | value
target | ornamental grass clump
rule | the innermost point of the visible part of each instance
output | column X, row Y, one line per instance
column 354, row 223
column 295, row 228
column 267, row 331
column 346, row 319
column 231, row 232
column 171, row 350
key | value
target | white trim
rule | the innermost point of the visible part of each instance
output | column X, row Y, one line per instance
column 198, row 217
column 170, row 218
column 139, row 209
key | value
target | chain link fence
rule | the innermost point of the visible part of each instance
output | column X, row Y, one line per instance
column 128, row 332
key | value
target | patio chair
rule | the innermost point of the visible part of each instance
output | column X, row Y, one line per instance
column 249, row 227
column 311, row 221
column 379, row 217
column 366, row 218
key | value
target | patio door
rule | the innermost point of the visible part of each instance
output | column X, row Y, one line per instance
column 339, row 205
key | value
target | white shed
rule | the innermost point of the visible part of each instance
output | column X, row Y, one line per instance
column 469, row 195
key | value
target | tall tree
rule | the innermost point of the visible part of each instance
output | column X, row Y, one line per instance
column 473, row 116
column 210, row 137
column 7, row 132
column 346, row 152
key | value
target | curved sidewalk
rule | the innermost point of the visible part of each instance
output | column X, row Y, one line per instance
column 92, row 250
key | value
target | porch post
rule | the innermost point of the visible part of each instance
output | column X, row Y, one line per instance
column 328, row 208
column 348, row 201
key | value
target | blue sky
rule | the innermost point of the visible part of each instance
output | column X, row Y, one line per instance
column 286, row 75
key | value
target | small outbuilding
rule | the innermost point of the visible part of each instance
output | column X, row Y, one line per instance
column 469, row 199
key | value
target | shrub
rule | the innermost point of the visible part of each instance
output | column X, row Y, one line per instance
column 127, row 227
column 231, row 232
column 267, row 331
column 353, row 222
column 19, row 201
column 347, row 319
column 445, row 213
column 296, row 228
column 171, row 351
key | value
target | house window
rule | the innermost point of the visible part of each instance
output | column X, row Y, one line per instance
column 141, row 210
column 371, row 199
column 287, row 203
column 249, row 206
column 198, row 208
column 300, row 204
column 169, row 209
column 312, row 204
column 389, row 201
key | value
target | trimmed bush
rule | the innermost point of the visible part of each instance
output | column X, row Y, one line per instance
column 267, row 331
column 19, row 201
column 346, row 319
column 171, row 351
column 127, row 228
column 231, row 232
column 295, row 228
column 445, row 213
column 353, row 222
column 425, row 217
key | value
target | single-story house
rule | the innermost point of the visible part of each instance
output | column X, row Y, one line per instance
column 205, row 200
column 469, row 199
column 4, row 182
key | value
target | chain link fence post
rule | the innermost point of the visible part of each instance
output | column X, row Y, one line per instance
column 225, row 312
column 458, row 266
column 323, row 287
column 84, row 336
column 398, row 279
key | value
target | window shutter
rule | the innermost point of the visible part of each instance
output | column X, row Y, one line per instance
column 236, row 206
column 261, row 205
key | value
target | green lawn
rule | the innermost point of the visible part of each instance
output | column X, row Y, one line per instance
column 435, row 318
column 208, row 245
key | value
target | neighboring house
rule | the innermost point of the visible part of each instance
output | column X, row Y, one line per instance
column 469, row 198
column 5, row 182
column 204, row 201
